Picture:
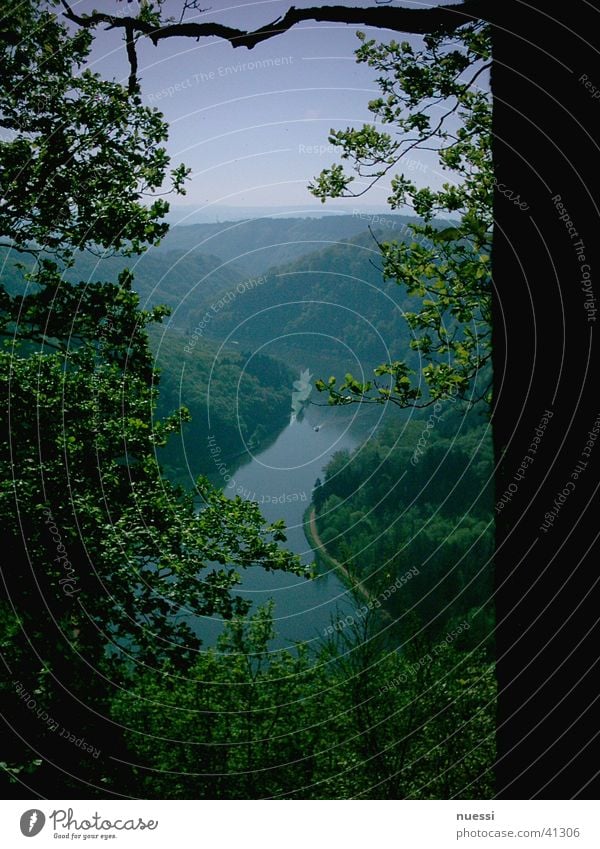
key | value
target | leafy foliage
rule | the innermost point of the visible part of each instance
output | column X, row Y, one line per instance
column 82, row 151
column 351, row 722
column 431, row 99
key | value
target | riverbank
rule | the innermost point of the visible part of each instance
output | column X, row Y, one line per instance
column 351, row 583
column 318, row 546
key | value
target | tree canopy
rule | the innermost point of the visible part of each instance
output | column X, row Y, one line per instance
column 82, row 153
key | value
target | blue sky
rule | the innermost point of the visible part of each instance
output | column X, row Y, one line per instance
column 253, row 125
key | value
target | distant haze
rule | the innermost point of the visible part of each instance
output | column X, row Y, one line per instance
column 180, row 214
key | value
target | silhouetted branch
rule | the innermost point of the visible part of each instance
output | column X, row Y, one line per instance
column 417, row 21
column 133, row 86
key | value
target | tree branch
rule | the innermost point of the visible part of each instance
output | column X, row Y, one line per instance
column 416, row 21
column 22, row 250
column 133, row 86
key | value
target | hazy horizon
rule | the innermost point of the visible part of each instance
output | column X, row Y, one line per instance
column 183, row 214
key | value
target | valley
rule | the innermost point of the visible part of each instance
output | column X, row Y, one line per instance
column 259, row 308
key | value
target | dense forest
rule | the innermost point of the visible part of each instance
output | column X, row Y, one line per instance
column 417, row 504
column 241, row 399
column 354, row 720
column 333, row 303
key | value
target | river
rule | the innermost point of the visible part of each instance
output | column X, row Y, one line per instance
column 281, row 479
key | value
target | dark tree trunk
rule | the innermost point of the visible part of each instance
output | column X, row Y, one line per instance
column 546, row 358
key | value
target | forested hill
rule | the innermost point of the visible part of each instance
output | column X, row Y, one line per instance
column 184, row 282
column 250, row 397
column 195, row 266
column 349, row 317
column 239, row 399
column 258, row 244
column 332, row 303
column 417, row 497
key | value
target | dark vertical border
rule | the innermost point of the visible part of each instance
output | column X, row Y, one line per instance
column 547, row 144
